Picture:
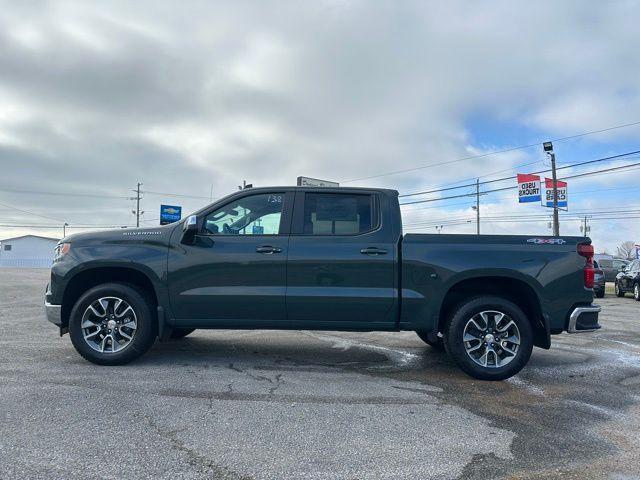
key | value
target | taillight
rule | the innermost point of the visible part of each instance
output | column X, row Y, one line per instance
column 586, row 250
column 589, row 277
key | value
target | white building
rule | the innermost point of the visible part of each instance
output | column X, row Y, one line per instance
column 31, row 251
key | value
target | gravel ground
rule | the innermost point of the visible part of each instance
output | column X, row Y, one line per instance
column 312, row 405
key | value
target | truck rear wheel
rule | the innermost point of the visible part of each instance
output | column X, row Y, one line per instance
column 438, row 344
column 112, row 324
column 489, row 337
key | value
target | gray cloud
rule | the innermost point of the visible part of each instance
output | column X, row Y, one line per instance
column 186, row 95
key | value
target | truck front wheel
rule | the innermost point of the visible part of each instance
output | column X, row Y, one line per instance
column 489, row 337
column 112, row 324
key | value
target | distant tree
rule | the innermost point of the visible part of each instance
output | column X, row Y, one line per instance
column 627, row 251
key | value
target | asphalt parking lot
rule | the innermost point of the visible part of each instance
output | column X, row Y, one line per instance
column 313, row 405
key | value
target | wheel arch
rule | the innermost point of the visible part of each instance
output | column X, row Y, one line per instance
column 89, row 278
column 515, row 290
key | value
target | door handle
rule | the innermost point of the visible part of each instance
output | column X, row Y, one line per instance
column 268, row 249
column 373, row 251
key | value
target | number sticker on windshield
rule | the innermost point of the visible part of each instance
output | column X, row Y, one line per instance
column 274, row 199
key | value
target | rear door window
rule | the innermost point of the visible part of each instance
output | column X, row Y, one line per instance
column 338, row 214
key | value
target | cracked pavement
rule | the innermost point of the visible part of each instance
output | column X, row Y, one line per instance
column 313, row 405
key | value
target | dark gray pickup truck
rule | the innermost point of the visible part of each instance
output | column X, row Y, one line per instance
column 320, row 259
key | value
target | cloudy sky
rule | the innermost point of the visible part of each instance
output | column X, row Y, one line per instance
column 191, row 98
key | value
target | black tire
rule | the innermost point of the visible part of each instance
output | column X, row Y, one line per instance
column 599, row 293
column 179, row 333
column 437, row 345
column 636, row 292
column 145, row 332
column 618, row 290
column 455, row 345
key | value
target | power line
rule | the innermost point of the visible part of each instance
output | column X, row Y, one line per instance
column 603, row 159
column 495, row 152
column 485, row 175
column 515, row 216
column 469, row 221
column 95, row 195
column 61, row 194
column 175, row 195
column 30, row 213
column 612, row 169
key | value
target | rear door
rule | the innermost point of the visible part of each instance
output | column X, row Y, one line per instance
column 340, row 268
column 235, row 272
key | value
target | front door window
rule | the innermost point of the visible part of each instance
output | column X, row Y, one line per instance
column 258, row 214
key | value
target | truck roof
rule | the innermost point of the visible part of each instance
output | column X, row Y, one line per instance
column 387, row 191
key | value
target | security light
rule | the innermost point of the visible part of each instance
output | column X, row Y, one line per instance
column 548, row 146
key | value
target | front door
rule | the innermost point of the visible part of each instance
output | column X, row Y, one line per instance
column 234, row 274
column 630, row 274
column 340, row 269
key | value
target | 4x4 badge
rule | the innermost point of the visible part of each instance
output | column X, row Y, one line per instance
column 546, row 241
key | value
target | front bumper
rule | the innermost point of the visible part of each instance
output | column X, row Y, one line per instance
column 52, row 310
column 54, row 313
column 584, row 319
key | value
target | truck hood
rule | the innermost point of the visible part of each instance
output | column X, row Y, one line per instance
column 155, row 235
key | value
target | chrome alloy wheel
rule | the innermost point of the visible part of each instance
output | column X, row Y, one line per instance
column 491, row 339
column 109, row 325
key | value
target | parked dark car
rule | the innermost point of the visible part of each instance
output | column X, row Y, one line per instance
column 629, row 280
column 321, row 259
column 599, row 282
column 612, row 267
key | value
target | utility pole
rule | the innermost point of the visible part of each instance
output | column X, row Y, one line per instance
column 137, row 211
column 585, row 229
column 548, row 148
column 478, row 206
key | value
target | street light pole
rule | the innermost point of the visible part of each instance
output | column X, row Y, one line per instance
column 478, row 206
column 548, row 148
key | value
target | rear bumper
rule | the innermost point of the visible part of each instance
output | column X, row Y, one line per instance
column 584, row 319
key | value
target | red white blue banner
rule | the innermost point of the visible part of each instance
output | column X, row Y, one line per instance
column 563, row 197
column 529, row 188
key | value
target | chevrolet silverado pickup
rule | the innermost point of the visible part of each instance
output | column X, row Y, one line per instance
column 320, row 259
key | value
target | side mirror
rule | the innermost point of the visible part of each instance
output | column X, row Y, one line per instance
column 189, row 228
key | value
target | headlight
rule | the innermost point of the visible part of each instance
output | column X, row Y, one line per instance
column 61, row 250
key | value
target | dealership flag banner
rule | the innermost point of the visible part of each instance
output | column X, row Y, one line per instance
column 563, row 198
column 529, row 188
column 170, row 214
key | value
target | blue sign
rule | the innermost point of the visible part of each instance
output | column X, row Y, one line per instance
column 170, row 214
